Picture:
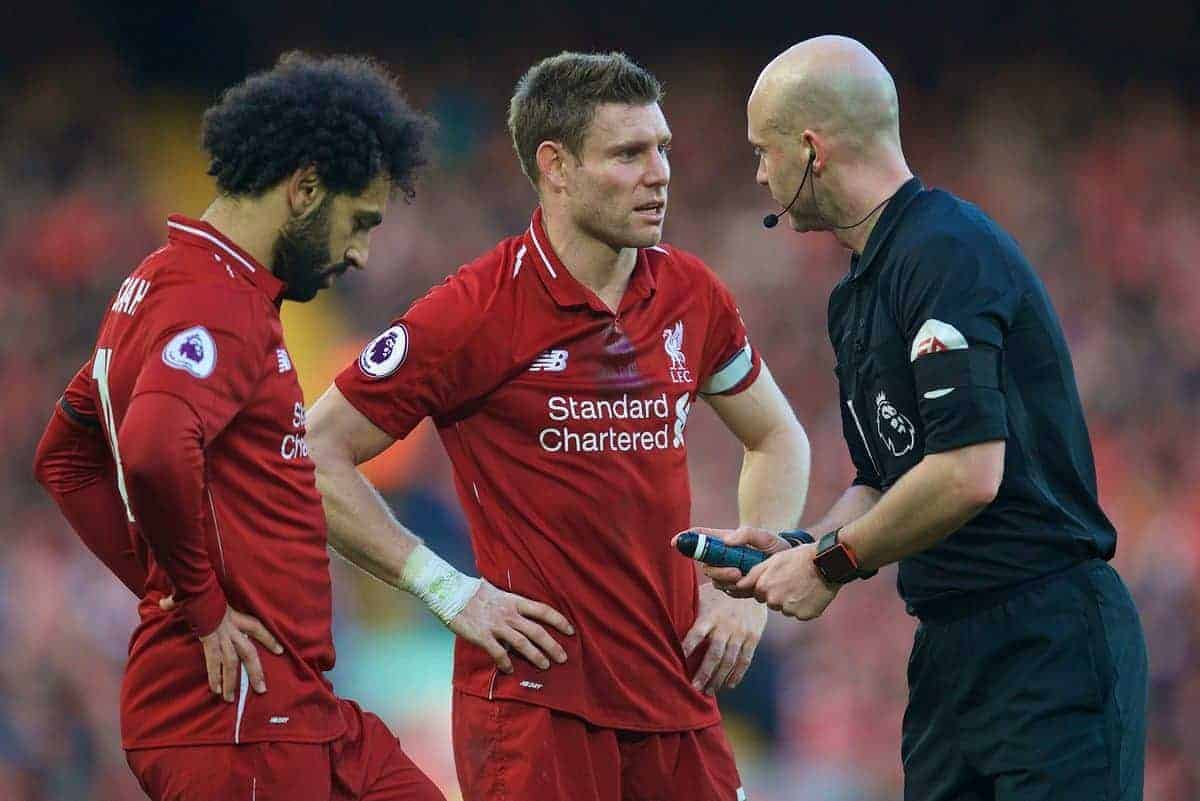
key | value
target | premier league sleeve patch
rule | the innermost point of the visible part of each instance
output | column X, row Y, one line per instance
column 384, row 354
column 193, row 351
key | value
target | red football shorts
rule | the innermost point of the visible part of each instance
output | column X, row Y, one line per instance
column 364, row 764
column 512, row 751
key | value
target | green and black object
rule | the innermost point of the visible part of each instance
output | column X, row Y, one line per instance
column 714, row 552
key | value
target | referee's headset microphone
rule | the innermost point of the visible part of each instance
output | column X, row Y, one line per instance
column 772, row 220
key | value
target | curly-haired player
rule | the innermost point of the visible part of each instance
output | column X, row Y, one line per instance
column 177, row 452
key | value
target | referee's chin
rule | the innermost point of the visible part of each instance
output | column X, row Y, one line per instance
column 801, row 225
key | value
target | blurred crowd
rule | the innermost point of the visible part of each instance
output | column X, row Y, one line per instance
column 1099, row 185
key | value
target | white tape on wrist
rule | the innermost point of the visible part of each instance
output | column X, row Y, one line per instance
column 437, row 583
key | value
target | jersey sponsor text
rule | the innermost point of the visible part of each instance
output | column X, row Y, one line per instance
column 566, row 408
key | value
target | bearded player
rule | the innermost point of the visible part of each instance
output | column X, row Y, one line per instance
column 560, row 369
column 178, row 454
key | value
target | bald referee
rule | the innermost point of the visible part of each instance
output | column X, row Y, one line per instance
column 1027, row 680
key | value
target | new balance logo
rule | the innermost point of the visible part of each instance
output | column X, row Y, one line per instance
column 279, row 720
column 552, row 361
column 532, row 685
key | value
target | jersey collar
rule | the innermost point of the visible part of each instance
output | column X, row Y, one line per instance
column 202, row 234
column 564, row 288
column 892, row 213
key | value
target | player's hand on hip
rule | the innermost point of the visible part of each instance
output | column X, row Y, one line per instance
column 230, row 645
column 733, row 629
column 726, row 578
column 789, row 583
column 496, row 621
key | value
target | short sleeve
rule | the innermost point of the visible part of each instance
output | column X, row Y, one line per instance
column 430, row 361
column 730, row 365
column 210, row 353
column 956, row 303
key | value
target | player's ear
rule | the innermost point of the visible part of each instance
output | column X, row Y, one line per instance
column 551, row 162
column 304, row 190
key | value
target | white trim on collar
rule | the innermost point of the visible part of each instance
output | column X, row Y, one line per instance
column 542, row 253
column 206, row 235
column 520, row 258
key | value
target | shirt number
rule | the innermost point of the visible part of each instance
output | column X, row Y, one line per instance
column 100, row 366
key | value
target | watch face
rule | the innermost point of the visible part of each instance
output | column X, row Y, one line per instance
column 836, row 565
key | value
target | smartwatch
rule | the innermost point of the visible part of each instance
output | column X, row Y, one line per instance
column 837, row 562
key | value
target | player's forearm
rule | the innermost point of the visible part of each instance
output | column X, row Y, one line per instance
column 855, row 502
column 773, row 486
column 74, row 466
column 931, row 501
column 360, row 525
column 362, row 529
column 163, row 457
column 97, row 516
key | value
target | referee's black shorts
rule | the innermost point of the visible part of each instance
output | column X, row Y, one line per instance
column 1034, row 693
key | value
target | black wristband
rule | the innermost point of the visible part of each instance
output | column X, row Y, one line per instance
column 797, row 536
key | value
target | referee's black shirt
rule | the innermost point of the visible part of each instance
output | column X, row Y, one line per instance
column 945, row 337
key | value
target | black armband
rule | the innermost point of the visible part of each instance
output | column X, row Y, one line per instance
column 978, row 366
column 77, row 416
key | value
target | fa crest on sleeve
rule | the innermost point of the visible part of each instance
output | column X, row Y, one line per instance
column 936, row 336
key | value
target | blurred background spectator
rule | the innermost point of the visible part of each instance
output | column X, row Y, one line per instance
column 1077, row 131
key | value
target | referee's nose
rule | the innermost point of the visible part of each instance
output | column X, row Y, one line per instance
column 761, row 175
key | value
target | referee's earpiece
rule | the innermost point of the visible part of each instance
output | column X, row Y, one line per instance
column 772, row 220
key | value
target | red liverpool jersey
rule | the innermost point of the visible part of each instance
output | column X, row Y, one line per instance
column 565, row 426
column 199, row 320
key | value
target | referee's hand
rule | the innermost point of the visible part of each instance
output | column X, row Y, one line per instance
column 790, row 583
column 726, row 579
